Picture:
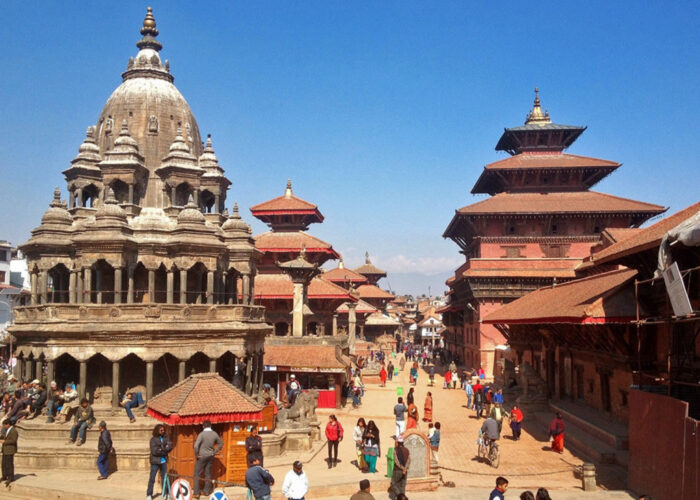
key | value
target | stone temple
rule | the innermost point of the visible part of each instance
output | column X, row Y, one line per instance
column 142, row 277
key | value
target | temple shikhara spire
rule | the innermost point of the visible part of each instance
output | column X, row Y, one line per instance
column 536, row 116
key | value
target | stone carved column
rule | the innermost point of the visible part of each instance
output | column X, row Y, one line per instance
column 117, row 285
column 151, row 285
column 34, row 278
column 217, row 199
column 298, row 310
column 27, row 370
column 50, row 372
column 246, row 289
column 44, row 286
column 39, row 370
column 183, row 286
column 335, row 325
column 130, row 285
column 210, row 287
column 352, row 323
column 98, row 286
column 212, row 365
column 181, row 371
column 87, row 286
column 248, row 381
column 72, row 281
column 173, row 194
column 131, row 194
column 79, row 293
column 170, row 280
column 115, row 384
column 149, row 380
column 83, row 379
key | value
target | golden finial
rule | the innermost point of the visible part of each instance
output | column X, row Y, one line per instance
column 149, row 24
column 288, row 191
column 341, row 265
column 536, row 117
column 367, row 261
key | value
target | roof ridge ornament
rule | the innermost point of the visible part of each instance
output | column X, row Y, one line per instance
column 536, row 116
column 367, row 261
column 288, row 192
column 149, row 32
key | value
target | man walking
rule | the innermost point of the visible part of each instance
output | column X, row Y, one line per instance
column 295, row 485
column 207, row 445
column 259, row 480
column 400, row 412
column 402, row 459
column 160, row 446
column 9, row 448
column 469, row 391
column 104, row 446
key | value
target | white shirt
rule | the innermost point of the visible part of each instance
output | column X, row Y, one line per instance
column 295, row 485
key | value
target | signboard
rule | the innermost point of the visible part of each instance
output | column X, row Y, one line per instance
column 269, row 368
column 218, row 495
column 676, row 291
column 181, row 490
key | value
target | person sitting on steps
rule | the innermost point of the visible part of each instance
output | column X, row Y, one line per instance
column 84, row 417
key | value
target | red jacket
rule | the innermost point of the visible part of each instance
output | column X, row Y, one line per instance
column 334, row 431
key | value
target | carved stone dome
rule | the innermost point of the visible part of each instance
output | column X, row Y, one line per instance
column 151, row 104
column 235, row 224
column 190, row 214
column 57, row 212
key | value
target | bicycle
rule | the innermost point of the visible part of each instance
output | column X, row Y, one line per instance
column 489, row 450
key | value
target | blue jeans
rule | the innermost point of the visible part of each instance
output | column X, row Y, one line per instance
column 103, row 464
column 52, row 408
column 137, row 400
column 79, row 429
column 163, row 468
column 469, row 400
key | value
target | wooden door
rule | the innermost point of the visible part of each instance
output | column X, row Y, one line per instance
column 182, row 459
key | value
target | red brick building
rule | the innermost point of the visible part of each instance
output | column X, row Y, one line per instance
column 539, row 222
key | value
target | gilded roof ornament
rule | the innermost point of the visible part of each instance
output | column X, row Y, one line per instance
column 288, row 192
column 149, row 32
column 536, row 116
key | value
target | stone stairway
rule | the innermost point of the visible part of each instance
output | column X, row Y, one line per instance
column 43, row 445
column 590, row 433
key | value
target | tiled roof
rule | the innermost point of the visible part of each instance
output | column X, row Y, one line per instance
column 373, row 292
column 284, row 241
column 202, row 395
column 533, row 160
column 362, row 308
column 558, row 203
column 279, row 286
column 587, row 300
column 303, row 356
column 284, row 204
column 379, row 319
column 619, row 233
column 370, row 269
column 343, row 275
column 647, row 238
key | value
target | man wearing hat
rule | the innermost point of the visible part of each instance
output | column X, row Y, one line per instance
column 402, row 459
column 9, row 448
column 104, row 446
column 295, row 485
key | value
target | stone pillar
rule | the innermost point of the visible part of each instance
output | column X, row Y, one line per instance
column 298, row 310
column 79, row 294
column 181, row 371
column 39, row 371
column 362, row 331
column 216, row 204
column 151, row 285
column 34, row 278
column 352, row 323
column 71, row 199
column 183, row 286
column 248, row 381
column 170, row 279
column 82, row 381
column 44, row 286
column 80, row 197
column 117, row 285
column 335, row 325
column 173, row 194
column 149, row 380
column 87, row 286
column 27, row 370
column 98, row 286
column 257, row 365
column 210, row 287
column 131, row 194
column 50, row 372
column 72, row 281
column 212, row 365
column 234, row 288
column 246, row 289
column 130, row 289
column 115, row 384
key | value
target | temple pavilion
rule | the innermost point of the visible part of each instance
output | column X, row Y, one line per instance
column 142, row 278
column 538, row 223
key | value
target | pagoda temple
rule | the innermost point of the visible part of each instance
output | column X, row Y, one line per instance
column 539, row 222
column 314, row 348
column 135, row 281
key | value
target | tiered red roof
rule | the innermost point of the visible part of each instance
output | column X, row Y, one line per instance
column 292, row 241
column 280, row 286
column 287, row 204
column 343, row 275
column 373, row 292
column 589, row 300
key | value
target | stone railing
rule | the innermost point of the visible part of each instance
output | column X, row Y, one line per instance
column 139, row 312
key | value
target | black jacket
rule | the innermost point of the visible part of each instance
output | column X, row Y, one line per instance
column 104, row 444
column 160, row 449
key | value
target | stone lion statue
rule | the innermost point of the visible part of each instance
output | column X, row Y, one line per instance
column 301, row 413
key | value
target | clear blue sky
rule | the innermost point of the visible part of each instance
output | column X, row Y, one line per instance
column 381, row 113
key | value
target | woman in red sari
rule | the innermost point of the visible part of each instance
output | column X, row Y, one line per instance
column 556, row 433
column 412, row 420
column 382, row 375
column 428, row 408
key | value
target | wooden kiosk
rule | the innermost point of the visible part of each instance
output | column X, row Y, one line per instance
column 207, row 396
